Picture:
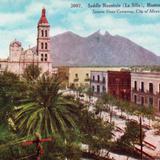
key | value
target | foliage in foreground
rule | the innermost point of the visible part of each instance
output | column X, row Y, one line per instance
column 48, row 111
column 11, row 91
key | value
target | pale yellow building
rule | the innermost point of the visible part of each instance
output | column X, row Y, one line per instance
column 81, row 75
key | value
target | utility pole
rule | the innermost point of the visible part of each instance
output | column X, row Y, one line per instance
column 141, row 138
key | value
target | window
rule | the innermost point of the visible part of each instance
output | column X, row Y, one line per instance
column 142, row 86
column 135, row 99
column 93, row 88
column 45, row 58
column 104, row 88
column 135, row 85
column 150, row 87
column 46, row 33
column 93, row 78
column 150, row 101
column 42, row 33
column 42, row 45
column 87, row 77
column 142, row 101
column 46, row 45
column 98, row 89
column 41, row 57
column 98, row 78
column 104, row 79
column 76, row 78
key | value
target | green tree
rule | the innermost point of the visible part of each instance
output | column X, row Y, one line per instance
column 11, row 90
column 95, row 132
column 48, row 112
column 31, row 72
column 89, row 93
column 156, row 126
column 132, row 134
column 108, row 101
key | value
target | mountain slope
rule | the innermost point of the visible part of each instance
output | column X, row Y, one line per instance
column 69, row 49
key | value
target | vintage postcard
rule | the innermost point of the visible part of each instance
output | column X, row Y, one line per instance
column 79, row 79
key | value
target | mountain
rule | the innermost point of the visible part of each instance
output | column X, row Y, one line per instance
column 69, row 49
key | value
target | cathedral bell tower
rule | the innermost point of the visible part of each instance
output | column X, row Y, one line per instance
column 43, row 42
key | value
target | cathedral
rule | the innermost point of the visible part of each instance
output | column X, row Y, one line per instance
column 19, row 59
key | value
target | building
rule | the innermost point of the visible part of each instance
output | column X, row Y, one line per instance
column 80, row 76
column 145, row 89
column 117, row 83
column 19, row 58
column 99, row 79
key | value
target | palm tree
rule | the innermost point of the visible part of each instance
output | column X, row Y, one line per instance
column 48, row 111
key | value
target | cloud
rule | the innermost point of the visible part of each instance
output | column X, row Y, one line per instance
column 20, row 24
column 7, row 19
column 52, row 7
column 145, row 35
column 12, row 1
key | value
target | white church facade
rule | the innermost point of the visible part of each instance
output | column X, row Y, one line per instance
column 19, row 58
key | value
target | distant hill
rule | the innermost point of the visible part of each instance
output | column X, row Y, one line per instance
column 69, row 49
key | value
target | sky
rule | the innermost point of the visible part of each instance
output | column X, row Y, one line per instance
column 19, row 18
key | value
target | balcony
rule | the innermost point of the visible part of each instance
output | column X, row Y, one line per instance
column 143, row 91
column 95, row 81
column 87, row 79
column 134, row 90
column 76, row 79
column 150, row 92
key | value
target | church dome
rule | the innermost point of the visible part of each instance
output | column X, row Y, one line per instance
column 15, row 42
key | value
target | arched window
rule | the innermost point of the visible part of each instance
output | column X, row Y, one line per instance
column 42, row 33
column 104, row 79
column 93, row 89
column 93, row 78
column 42, row 45
column 135, row 99
column 45, row 57
column 98, row 78
column 46, row 33
column 46, row 45
column 41, row 57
